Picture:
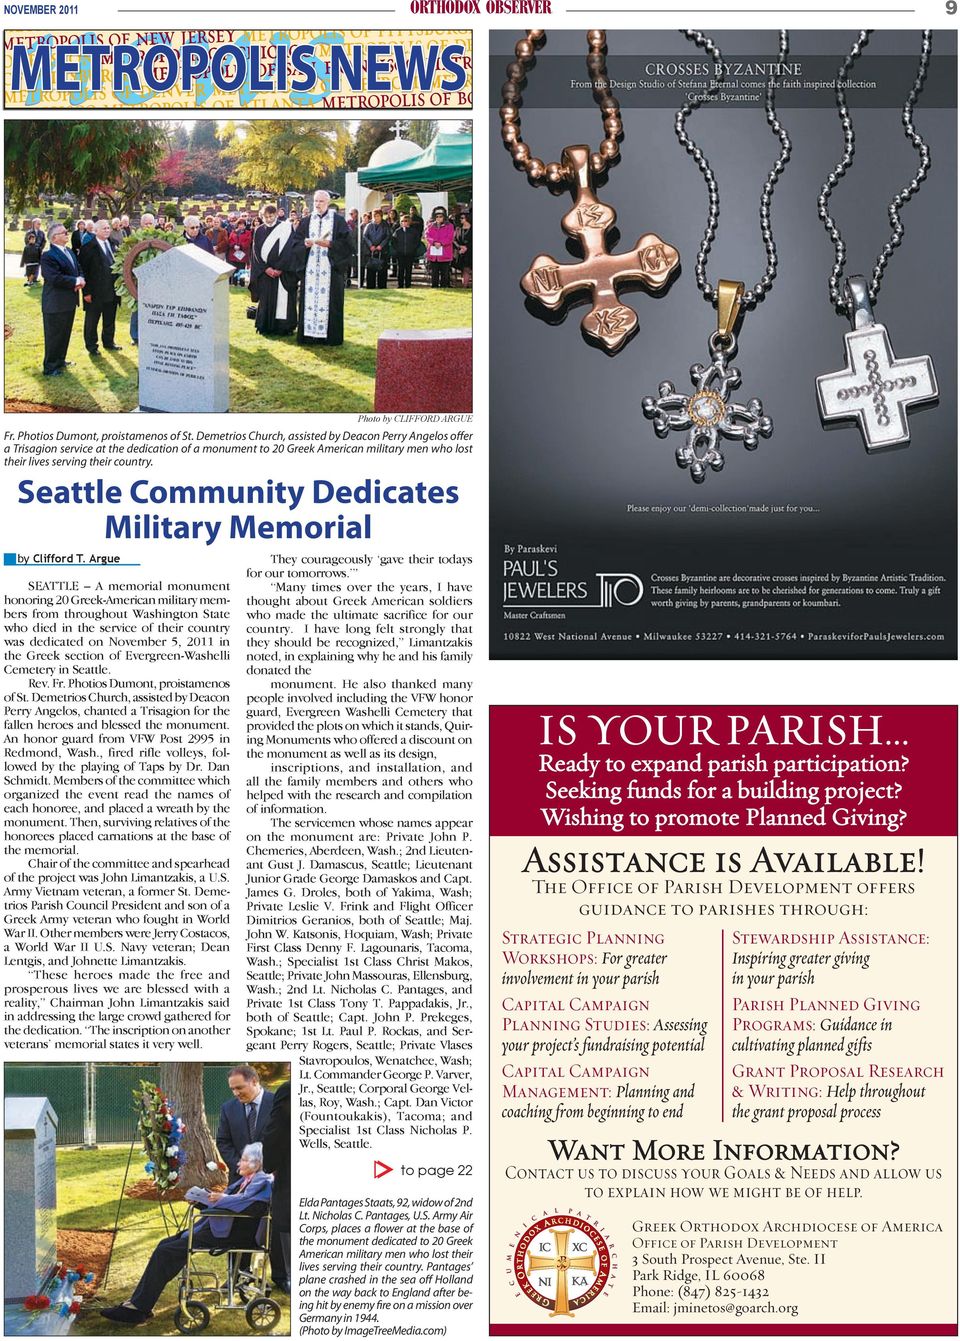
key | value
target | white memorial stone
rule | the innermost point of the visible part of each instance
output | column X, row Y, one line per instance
column 30, row 1195
column 183, row 303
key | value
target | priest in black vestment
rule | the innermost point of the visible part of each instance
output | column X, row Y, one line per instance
column 275, row 265
column 326, row 245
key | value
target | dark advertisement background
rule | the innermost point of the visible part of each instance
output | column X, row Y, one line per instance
column 571, row 449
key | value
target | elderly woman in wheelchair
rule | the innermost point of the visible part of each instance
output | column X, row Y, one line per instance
column 232, row 1223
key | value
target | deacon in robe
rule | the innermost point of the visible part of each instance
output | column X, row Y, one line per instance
column 275, row 265
column 324, row 240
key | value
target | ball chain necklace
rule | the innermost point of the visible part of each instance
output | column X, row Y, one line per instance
column 708, row 415
column 874, row 388
column 652, row 261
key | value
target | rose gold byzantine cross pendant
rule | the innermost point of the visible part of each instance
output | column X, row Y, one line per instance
column 551, row 284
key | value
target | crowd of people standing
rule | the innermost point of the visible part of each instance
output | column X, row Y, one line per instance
column 297, row 266
column 391, row 244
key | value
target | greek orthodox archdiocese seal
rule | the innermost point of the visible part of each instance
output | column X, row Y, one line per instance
column 561, row 1262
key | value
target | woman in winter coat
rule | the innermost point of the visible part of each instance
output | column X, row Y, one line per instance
column 376, row 250
column 439, row 239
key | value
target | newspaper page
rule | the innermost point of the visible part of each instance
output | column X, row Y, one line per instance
column 338, row 1002
column 717, row 947
column 742, row 494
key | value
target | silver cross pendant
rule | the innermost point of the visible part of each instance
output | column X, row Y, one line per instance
column 708, row 415
column 874, row 388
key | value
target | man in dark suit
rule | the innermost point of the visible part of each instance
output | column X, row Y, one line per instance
column 62, row 285
column 242, row 1118
column 276, row 1160
column 232, row 1223
column 100, row 300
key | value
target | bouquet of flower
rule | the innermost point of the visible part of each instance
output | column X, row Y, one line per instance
column 162, row 1133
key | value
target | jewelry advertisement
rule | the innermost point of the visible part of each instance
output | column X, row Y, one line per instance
column 723, row 344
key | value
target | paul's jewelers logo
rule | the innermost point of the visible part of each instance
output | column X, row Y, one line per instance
column 549, row 592
column 561, row 1263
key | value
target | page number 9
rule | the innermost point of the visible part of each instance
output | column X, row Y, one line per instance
column 951, row 6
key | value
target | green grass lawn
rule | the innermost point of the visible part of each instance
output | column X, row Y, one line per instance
column 266, row 375
column 88, row 1185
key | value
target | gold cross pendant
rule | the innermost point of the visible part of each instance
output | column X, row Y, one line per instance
column 551, row 284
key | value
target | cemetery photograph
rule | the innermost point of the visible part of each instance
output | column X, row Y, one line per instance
column 150, row 1196
column 260, row 266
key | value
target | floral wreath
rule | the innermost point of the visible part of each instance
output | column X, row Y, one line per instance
column 162, row 1133
column 132, row 252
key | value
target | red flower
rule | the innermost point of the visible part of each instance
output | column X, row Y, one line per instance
column 168, row 1126
column 75, row 1306
column 36, row 1302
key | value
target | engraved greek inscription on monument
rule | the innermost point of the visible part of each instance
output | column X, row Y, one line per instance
column 46, row 1193
column 175, row 360
column 184, row 332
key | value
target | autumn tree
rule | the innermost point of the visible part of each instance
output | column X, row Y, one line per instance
column 173, row 173
column 52, row 157
column 277, row 156
column 208, row 171
column 208, row 163
column 182, row 1083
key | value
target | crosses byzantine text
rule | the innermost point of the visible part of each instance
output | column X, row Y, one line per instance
column 652, row 262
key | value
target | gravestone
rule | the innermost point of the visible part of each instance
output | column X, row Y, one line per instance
column 424, row 372
column 183, row 306
column 30, row 1198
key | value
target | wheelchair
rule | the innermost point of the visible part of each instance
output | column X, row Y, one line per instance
column 243, row 1288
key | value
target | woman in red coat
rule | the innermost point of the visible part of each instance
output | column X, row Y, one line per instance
column 239, row 246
